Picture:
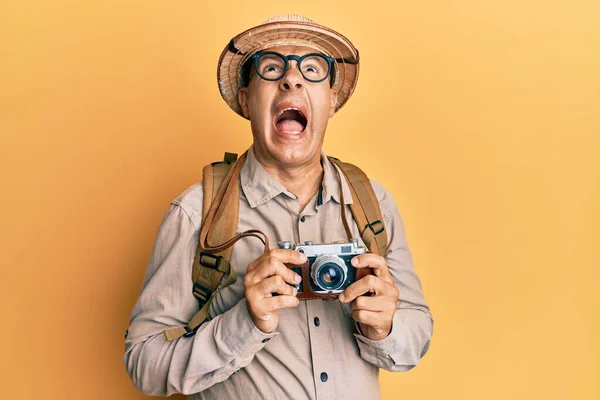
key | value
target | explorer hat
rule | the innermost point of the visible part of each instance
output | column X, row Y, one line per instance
column 288, row 30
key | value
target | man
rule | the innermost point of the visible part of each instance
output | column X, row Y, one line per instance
column 288, row 76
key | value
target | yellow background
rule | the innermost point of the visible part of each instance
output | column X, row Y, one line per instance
column 481, row 118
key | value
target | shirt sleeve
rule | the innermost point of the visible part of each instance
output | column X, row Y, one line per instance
column 412, row 325
column 189, row 365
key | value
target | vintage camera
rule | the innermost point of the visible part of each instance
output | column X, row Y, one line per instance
column 328, row 271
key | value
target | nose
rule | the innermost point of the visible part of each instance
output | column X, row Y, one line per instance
column 293, row 79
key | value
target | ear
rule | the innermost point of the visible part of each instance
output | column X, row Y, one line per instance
column 243, row 100
column 332, row 102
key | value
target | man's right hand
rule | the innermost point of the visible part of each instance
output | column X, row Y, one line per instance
column 267, row 275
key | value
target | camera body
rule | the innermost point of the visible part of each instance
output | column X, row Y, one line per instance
column 328, row 271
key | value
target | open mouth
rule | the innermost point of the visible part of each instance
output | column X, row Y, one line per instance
column 290, row 120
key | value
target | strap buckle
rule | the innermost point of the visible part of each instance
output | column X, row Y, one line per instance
column 202, row 293
column 214, row 262
column 189, row 332
column 211, row 261
column 372, row 227
column 228, row 158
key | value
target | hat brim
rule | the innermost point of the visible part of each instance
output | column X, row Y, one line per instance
column 282, row 33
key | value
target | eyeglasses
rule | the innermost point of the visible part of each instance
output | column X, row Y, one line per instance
column 272, row 66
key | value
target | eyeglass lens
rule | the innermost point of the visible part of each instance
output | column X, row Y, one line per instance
column 272, row 67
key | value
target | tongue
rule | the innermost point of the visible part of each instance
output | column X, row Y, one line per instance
column 289, row 125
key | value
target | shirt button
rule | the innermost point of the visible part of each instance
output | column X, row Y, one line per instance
column 303, row 219
column 236, row 371
column 324, row 377
column 266, row 340
column 317, row 321
column 126, row 333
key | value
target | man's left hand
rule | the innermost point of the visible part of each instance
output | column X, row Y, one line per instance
column 374, row 313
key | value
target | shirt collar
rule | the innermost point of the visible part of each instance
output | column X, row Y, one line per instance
column 259, row 187
column 330, row 188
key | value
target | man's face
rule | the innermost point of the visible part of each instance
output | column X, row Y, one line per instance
column 289, row 116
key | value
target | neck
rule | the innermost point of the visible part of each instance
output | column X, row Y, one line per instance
column 302, row 180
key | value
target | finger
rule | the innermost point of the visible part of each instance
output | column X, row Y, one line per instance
column 274, row 266
column 376, row 262
column 285, row 256
column 275, row 284
column 289, row 256
column 275, row 303
column 371, row 318
column 373, row 303
column 368, row 284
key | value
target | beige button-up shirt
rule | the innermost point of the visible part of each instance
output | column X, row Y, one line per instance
column 316, row 352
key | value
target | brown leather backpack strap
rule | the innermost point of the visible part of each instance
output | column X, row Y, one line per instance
column 212, row 270
column 213, row 176
column 365, row 207
column 209, row 270
column 224, row 210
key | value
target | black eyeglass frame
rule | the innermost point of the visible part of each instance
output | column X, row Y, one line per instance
column 253, row 61
column 256, row 57
column 244, row 74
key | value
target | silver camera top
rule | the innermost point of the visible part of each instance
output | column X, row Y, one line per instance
column 311, row 249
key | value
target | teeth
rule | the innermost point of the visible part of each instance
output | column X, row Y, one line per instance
column 290, row 108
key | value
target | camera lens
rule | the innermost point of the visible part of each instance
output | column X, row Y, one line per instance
column 330, row 275
column 329, row 272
